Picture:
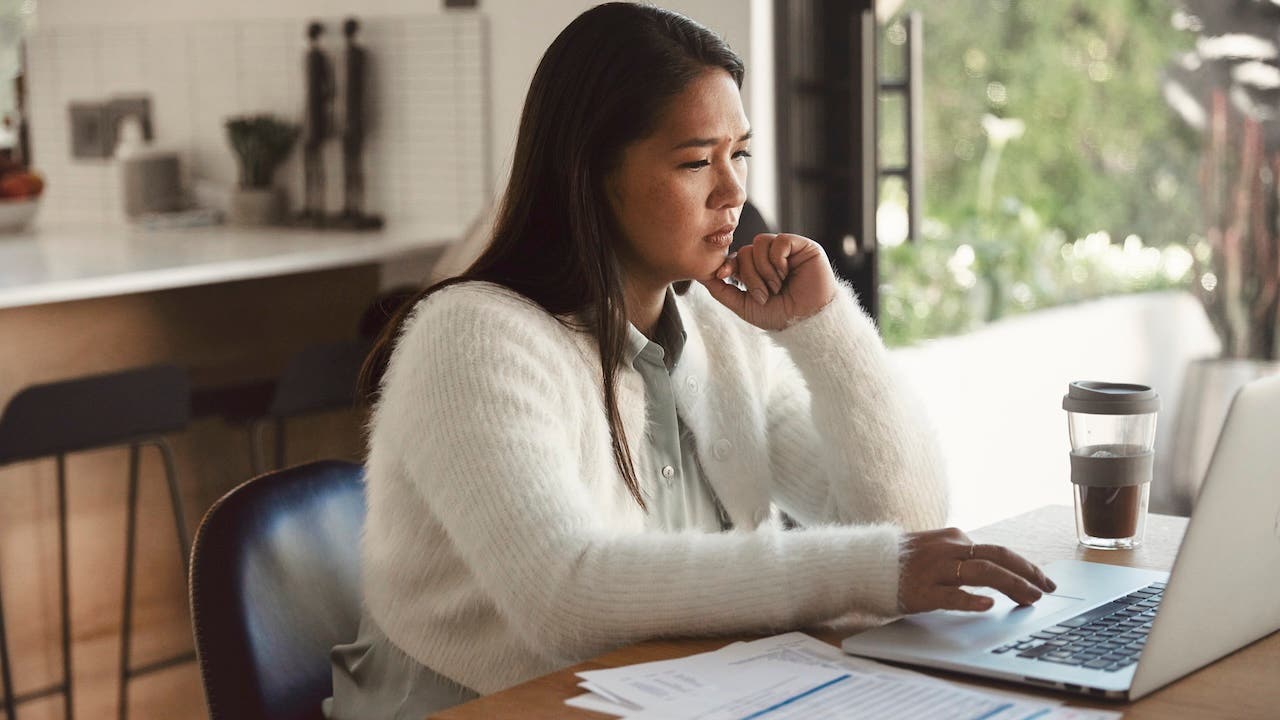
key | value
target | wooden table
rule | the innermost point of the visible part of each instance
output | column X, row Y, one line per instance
column 1245, row 684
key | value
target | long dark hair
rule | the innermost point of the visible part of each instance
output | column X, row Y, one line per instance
column 599, row 87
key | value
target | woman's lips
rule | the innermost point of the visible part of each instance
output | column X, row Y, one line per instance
column 722, row 237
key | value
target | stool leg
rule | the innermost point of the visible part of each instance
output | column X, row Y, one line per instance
column 65, row 599
column 6, row 679
column 175, row 499
column 279, row 443
column 257, row 455
column 127, row 671
column 130, row 545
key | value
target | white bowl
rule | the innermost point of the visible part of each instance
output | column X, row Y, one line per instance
column 16, row 213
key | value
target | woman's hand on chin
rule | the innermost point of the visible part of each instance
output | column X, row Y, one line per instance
column 787, row 278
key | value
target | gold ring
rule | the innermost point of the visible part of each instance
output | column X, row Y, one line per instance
column 959, row 564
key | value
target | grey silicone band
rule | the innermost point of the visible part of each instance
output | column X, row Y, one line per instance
column 1120, row 471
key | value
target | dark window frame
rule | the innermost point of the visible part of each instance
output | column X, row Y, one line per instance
column 826, row 81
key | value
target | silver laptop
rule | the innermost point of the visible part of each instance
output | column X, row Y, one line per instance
column 1119, row 632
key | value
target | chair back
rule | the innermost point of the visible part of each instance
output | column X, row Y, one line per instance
column 320, row 377
column 96, row 411
column 275, row 584
column 750, row 224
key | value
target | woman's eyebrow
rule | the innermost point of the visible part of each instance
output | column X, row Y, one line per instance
column 707, row 142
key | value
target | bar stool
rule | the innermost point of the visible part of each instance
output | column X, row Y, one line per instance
column 134, row 408
column 319, row 378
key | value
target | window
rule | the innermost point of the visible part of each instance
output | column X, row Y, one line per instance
column 1055, row 167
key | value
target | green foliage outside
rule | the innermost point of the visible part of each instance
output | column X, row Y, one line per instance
column 1078, row 148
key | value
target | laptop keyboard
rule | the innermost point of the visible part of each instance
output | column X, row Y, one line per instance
column 1109, row 637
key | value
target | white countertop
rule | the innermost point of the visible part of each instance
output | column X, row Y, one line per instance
column 54, row 263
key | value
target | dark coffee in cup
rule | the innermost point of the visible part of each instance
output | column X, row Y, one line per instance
column 1110, row 513
column 1112, row 428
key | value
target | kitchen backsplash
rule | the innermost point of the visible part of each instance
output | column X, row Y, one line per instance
column 426, row 158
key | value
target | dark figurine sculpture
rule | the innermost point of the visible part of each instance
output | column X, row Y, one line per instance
column 353, row 133
column 318, row 126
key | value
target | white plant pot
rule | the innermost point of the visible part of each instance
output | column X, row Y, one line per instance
column 1207, row 390
column 16, row 213
column 256, row 206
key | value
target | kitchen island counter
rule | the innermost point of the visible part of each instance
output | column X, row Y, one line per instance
column 230, row 305
column 57, row 263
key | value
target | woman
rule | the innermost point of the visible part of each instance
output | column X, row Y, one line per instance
column 575, row 447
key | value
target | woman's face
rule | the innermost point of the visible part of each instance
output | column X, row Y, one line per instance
column 676, row 194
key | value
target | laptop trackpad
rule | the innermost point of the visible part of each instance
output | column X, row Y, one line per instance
column 1047, row 605
column 1005, row 619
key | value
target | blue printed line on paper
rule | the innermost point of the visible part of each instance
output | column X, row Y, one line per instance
column 790, row 700
column 1037, row 714
column 994, row 711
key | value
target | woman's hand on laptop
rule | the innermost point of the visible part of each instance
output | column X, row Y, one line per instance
column 936, row 563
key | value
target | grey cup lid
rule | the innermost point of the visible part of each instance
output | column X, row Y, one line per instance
column 1103, row 398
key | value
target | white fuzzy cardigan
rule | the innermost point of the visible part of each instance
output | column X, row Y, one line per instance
column 502, row 544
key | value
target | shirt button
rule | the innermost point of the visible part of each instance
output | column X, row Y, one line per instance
column 692, row 384
column 721, row 449
column 668, row 472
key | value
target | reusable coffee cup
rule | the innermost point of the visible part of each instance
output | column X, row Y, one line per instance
column 1113, row 431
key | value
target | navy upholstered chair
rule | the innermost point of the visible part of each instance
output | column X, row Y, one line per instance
column 275, row 584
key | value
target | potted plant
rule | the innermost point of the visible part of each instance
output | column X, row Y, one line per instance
column 261, row 144
column 1237, row 279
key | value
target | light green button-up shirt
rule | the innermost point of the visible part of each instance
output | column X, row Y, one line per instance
column 682, row 499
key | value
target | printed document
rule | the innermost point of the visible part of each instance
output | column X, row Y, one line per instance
column 797, row 677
